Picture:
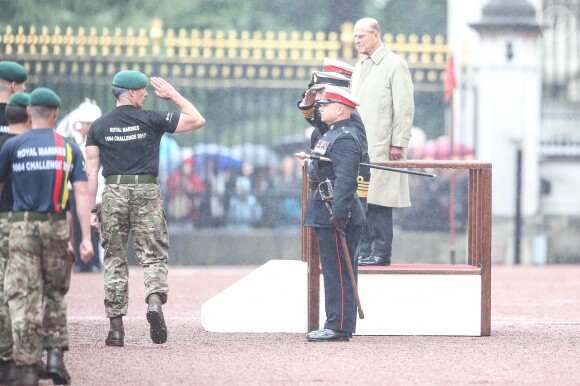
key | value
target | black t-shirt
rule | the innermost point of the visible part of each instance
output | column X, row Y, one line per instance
column 128, row 139
column 3, row 120
column 42, row 162
column 7, row 198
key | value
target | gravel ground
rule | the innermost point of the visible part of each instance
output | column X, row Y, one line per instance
column 535, row 340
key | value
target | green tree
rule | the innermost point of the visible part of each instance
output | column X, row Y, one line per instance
column 396, row 16
column 409, row 16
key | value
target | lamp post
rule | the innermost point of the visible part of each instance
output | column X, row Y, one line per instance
column 518, row 215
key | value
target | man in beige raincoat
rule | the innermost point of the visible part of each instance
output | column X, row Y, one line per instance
column 382, row 82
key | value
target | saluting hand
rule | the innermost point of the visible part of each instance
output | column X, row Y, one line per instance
column 162, row 88
column 309, row 97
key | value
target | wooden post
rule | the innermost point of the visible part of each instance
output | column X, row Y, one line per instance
column 311, row 256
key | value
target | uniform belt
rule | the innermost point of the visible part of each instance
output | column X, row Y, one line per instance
column 314, row 184
column 131, row 179
column 5, row 215
column 37, row 216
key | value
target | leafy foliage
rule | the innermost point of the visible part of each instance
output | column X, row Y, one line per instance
column 395, row 16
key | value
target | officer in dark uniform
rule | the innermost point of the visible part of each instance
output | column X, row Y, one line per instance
column 334, row 207
column 337, row 73
column 126, row 142
column 41, row 163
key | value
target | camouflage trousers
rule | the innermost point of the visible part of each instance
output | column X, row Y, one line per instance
column 37, row 280
column 135, row 209
column 5, row 321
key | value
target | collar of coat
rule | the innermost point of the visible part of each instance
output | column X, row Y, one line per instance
column 340, row 124
column 379, row 54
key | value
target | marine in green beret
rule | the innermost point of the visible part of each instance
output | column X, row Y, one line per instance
column 130, row 80
column 12, row 72
column 44, row 96
column 20, row 99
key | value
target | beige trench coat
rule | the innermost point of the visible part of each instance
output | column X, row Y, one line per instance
column 385, row 91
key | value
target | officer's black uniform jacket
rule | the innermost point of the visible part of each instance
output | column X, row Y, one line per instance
column 321, row 127
column 341, row 144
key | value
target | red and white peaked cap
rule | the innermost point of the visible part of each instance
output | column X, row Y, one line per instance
column 335, row 94
column 335, row 65
column 330, row 78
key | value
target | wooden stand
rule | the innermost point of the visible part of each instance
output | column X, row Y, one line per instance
column 469, row 298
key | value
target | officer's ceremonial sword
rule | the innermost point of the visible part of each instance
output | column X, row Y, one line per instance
column 327, row 198
column 303, row 155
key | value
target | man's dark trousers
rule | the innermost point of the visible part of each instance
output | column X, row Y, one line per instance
column 377, row 235
column 340, row 302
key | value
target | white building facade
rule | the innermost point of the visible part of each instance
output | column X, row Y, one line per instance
column 503, row 111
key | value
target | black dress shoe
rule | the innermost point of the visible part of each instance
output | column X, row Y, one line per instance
column 315, row 332
column 328, row 335
column 375, row 260
column 360, row 258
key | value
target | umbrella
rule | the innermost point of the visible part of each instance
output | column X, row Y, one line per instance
column 440, row 148
column 169, row 157
column 257, row 155
column 221, row 155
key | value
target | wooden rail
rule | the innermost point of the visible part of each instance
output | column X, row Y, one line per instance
column 478, row 234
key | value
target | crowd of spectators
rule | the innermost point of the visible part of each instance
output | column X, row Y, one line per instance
column 207, row 192
column 208, row 195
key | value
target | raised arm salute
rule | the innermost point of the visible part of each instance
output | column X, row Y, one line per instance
column 126, row 142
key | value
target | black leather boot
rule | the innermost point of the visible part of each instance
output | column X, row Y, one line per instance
column 55, row 368
column 41, row 368
column 8, row 372
column 116, row 335
column 157, row 329
column 27, row 376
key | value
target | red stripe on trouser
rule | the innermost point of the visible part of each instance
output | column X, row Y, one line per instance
column 341, row 283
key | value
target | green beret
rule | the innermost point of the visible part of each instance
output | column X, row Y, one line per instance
column 43, row 96
column 131, row 80
column 13, row 72
column 19, row 99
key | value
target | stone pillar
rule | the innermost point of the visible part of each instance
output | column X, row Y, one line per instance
column 508, row 81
